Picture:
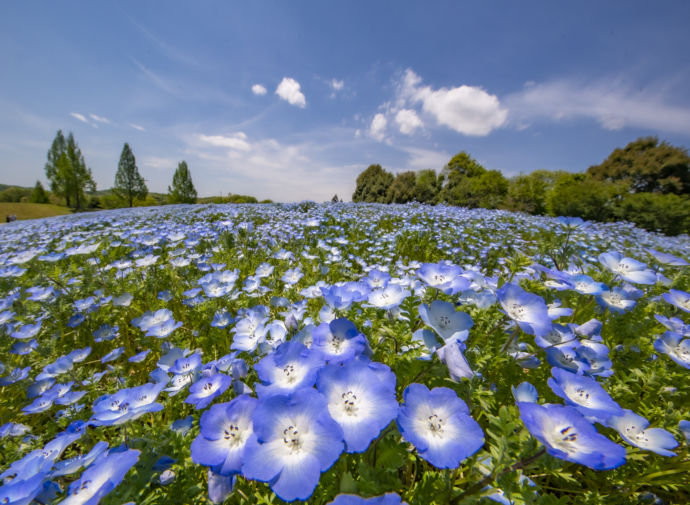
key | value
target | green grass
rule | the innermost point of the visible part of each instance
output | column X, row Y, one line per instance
column 31, row 210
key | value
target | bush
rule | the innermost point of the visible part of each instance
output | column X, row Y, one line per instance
column 665, row 213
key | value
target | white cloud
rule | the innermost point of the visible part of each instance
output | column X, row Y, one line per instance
column 80, row 117
column 408, row 121
column 289, row 90
column 466, row 109
column 237, row 141
column 420, row 159
column 336, row 84
column 378, row 126
column 99, row 119
column 159, row 163
column 259, row 89
column 137, row 127
column 612, row 103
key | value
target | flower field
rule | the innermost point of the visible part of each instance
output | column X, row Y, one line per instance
column 342, row 354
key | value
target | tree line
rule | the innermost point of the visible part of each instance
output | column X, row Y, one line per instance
column 71, row 181
column 647, row 182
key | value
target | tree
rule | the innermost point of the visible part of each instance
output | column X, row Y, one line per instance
column 182, row 189
column 577, row 195
column 459, row 169
column 372, row 185
column 39, row 194
column 427, row 186
column 129, row 185
column 402, row 189
column 69, row 177
column 646, row 165
column 527, row 193
column 58, row 183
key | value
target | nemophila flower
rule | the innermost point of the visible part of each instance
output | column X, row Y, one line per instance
column 675, row 347
column 40, row 293
column 104, row 475
column 292, row 276
column 6, row 316
column 138, row 358
column 22, row 491
column 61, row 365
column 619, row 299
column 387, row 297
column 150, row 319
column 634, row 430
column 667, row 259
column 674, row 324
column 583, row 393
column 225, row 429
column 105, row 332
column 448, row 323
column 295, row 439
column 79, row 355
column 186, row 365
column 361, row 399
column 377, row 278
column 439, row 425
column 40, row 404
column 163, row 329
column 443, row 277
column 76, row 320
column 222, row 319
column 337, row 297
column 678, row 298
column 23, row 348
column 568, row 435
column 627, row 268
column 26, row 331
column 250, row 330
column 525, row 392
column 684, row 427
column 113, row 355
column 85, row 305
column 339, row 340
column 427, row 341
column 172, row 355
column 146, row 261
column 451, row 354
column 585, row 285
column 126, row 405
column 70, row 398
column 13, row 430
column 123, row 300
column 528, row 310
column 289, row 367
column 207, row 389
column 72, row 465
column 351, row 499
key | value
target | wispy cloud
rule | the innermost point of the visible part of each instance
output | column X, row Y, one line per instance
column 137, row 127
column 237, row 141
column 289, row 90
column 79, row 117
column 159, row 163
column 613, row 103
column 154, row 78
column 99, row 119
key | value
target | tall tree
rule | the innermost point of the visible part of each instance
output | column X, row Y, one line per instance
column 182, row 189
column 80, row 177
column 402, row 189
column 38, row 195
column 372, row 185
column 129, row 184
column 58, row 183
column 647, row 166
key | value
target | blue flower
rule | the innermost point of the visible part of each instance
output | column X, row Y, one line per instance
column 250, row 330
column 629, row 269
column 619, row 299
column 361, row 399
column 684, row 427
column 452, row 356
column 439, row 425
column 444, row 277
column 27, row 331
column 339, row 340
column 222, row 319
column 528, row 310
column 678, row 298
column 291, row 366
column 163, row 329
column 525, row 392
column 207, row 389
column 568, row 435
column 295, row 439
column 22, row 491
column 113, row 355
column 126, row 405
column 387, row 297
column 225, row 429
column 634, row 430
column 105, row 332
column 583, row 393
column 104, row 475
column 447, row 322
column 138, row 358
column 675, row 347
column 350, row 499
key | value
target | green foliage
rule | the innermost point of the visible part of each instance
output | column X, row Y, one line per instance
column 427, row 186
column 14, row 194
column 527, row 193
column 665, row 213
column 129, row 184
column 182, row 189
column 402, row 190
column 67, row 172
column 372, row 185
column 38, row 195
column 646, row 165
column 580, row 196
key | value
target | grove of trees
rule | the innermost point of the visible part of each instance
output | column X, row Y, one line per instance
column 647, row 182
column 67, row 172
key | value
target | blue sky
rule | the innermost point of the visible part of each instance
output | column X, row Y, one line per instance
column 291, row 100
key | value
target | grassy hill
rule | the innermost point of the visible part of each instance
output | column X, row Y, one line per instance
column 31, row 210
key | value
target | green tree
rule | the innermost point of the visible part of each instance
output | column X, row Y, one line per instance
column 577, row 195
column 402, row 189
column 182, row 189
column 79, row 178
column 129, row 184
column 665, row 213
column 487, row 190
column 646, row 165
column 427, row 186
column 57, row 179
column 457, row 173
column 38, row 195
column 527, row 193
column 372, row 185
